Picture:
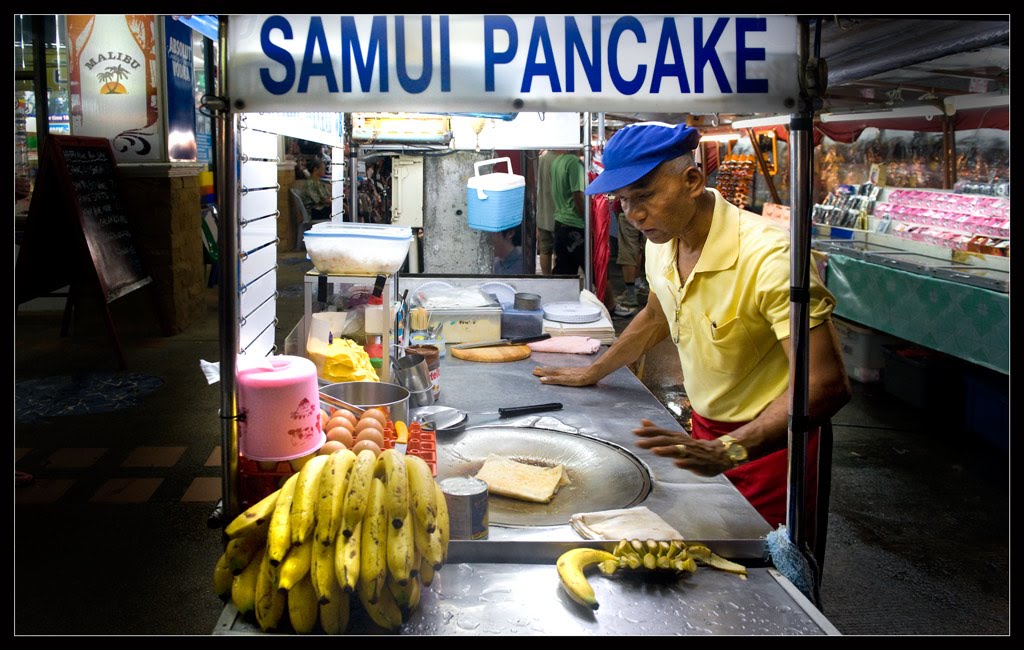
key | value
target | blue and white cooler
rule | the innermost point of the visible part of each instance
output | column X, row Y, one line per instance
column 495, row 200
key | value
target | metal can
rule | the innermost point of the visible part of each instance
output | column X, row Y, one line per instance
column 466, row 497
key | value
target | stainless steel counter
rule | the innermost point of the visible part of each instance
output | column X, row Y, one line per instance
column 527, row 600
column 508, row 583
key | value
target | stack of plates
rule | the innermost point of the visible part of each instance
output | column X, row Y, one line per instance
column 578, row 319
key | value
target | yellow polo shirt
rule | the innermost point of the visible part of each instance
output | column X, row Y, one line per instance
column 730, row 315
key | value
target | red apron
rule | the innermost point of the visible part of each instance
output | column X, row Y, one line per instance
column 763, row 481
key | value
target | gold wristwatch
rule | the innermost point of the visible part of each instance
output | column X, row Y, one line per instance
column 736, row 452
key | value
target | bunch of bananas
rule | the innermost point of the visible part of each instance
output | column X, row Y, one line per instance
column 345, row 524
column 654, row 555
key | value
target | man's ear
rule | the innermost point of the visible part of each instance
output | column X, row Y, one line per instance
column 693, row 180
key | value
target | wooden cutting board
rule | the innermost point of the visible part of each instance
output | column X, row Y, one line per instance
column 493, row 354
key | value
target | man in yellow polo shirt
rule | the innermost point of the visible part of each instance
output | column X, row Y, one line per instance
column 721, row 277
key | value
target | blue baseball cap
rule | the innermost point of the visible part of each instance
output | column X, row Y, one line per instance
column 635, row 150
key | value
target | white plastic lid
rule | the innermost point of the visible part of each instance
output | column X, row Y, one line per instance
column 572, row 312
column 497, row 181
column 372, row 230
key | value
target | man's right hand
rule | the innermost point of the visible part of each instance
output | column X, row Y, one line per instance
column 573, row 376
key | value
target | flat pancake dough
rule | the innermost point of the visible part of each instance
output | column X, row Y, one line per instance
column 510, row 478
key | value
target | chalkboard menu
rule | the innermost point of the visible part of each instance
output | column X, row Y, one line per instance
column 76, row 220
column 77, row 233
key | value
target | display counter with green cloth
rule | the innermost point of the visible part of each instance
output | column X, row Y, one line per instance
column 968, row 322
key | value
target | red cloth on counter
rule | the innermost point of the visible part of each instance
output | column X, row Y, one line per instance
column 764, row 481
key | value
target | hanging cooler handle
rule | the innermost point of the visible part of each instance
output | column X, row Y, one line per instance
column 493, row 161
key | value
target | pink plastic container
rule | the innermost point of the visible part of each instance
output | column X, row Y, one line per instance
column 279, row 400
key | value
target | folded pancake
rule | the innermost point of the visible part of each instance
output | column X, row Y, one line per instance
column 510, row 478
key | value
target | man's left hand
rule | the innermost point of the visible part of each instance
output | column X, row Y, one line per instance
column 702, row 457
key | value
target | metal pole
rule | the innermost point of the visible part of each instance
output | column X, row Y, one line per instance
column 588, row 254
column 353, row 177
column 759, row 155
column 228, row 247
column 800, row 151
column 948, row 152
column 39, row 79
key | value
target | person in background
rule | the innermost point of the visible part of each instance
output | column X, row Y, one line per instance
column 508, row 251
column 630, row 253
column 567, row 185
column 316, row 192
column 545, row 212
column 720, row 283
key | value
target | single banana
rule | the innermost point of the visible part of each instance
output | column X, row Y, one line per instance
column 254, row 517
column 391, row 470
column 241, row 550
column 303, row 608
column 340, row 467
column 279, row 536
column 222, row 577
column 630, row 561
column 324, row 502
column 622, row 547
column 608, row 567
column 422, row 496
column 295, row 566
column 243, row 587
column 704, row 555
column 571, row 566
column 401, row 551
column 357, row 491
column 442, row 523
column 407, row 596
column 426, row 572
column 373, row 545
column 346, row 559
column 638, row 546
column 421, row 538
column 322, row 569
column 334, row 614
column 684, row 565
column 650, row 561
column 383, row 609
column 307, row 490
column 270, row 601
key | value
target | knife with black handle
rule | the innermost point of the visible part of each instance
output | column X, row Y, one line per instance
column 502, row 342
column 511, row 411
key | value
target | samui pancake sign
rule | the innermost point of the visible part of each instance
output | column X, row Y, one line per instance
column 472, row 62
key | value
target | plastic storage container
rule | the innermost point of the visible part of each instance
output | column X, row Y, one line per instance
column 357, row 248
column 517, row 323
column 863, row 350
column 468, row 325
column 495, row 201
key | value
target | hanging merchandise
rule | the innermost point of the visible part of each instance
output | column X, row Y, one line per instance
column 736, row 180
column 495, row 200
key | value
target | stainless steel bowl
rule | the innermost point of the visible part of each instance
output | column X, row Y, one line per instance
column 367, row 394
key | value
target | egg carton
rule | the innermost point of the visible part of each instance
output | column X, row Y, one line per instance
column 422, row 442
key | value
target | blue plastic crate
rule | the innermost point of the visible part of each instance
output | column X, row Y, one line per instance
column 495, row 201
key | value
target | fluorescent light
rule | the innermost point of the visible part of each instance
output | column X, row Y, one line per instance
column 720, row 137
column 753, row 123
column 924, row 110
column 977, row 100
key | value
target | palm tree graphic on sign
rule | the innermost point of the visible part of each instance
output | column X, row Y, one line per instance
column 111, row 79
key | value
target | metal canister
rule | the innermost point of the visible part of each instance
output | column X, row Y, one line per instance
column 466, row 497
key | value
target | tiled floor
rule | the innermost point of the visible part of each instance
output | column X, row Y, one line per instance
column 53, row 476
